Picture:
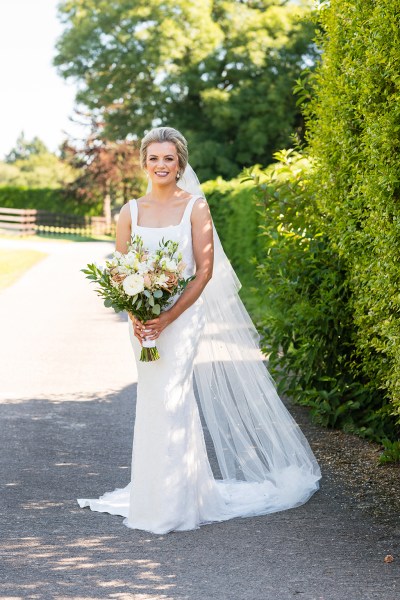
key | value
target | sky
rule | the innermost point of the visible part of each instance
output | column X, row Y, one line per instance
column 33, row 97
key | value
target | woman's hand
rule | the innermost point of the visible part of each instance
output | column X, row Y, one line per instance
column 150, row 329
column 155, row 326
column 137, row 327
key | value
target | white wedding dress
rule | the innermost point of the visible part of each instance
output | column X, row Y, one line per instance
column 172, row 486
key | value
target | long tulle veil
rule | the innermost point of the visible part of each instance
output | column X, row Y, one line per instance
column 255, row 437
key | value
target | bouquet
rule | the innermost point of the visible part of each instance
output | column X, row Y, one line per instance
column 141, row 282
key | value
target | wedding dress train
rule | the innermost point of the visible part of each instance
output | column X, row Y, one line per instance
column 172, row 486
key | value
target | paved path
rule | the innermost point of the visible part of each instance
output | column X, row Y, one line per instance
column 68, row 385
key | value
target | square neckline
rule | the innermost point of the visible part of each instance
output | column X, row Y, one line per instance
column 165, row 226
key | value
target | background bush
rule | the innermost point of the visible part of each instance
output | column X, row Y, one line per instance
column 54, row 200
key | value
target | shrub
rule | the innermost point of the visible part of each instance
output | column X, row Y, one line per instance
column 354, row 136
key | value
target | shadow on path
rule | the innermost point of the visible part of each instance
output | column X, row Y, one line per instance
column 55, row 451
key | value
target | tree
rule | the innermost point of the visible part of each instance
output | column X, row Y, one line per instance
column 222, row 71
column 108, row 169
column 30, row 164
column 25, row 148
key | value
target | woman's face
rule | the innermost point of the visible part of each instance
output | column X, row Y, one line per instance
column 162, row 162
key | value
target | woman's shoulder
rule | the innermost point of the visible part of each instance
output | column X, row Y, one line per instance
column 125, row 212
column 199, row 202
column 200, row 209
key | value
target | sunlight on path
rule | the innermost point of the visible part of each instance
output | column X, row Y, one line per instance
column 58, row 340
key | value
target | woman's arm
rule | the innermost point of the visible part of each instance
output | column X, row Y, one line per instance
column 123, row 237
column 203, row 250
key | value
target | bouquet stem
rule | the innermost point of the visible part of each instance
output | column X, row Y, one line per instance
column 149, row 354
column 149, row 351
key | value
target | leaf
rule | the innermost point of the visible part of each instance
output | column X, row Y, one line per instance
column 157, row 293
column 156, row 309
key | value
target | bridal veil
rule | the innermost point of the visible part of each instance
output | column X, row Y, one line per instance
column 255, row 438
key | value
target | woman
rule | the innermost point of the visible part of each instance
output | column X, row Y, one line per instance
column 264, row 459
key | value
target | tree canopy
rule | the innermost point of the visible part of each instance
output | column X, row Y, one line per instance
column 25, row 148
column 221, row 71
column 30, row 164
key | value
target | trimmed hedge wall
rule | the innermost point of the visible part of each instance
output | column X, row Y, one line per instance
column 296, row 288
column 237, row 218
column 354, row 136
column 54, row 200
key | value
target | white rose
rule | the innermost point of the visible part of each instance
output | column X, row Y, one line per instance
column 133, row 284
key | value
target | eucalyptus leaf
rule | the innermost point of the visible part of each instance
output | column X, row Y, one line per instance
column 156, row 309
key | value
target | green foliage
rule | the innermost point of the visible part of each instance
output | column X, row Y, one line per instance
column 222, row 71
column 37, row 171
column 54, row 200
column 391, row 452
column 235, row 213
column 354, row 136
column 24, row 149
column 306, row 327
column 30, row 164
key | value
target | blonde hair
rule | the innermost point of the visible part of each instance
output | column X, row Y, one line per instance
column 165, row 134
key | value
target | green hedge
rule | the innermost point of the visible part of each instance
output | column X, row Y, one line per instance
column 237, row 218
column 54, row 200
column 295, row 285
column 307, row 323
column 354, row 136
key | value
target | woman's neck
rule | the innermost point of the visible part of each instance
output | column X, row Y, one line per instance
column 163, row 193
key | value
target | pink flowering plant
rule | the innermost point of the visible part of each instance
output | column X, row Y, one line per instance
column 141, row 282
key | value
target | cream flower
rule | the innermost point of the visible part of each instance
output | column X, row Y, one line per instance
column 161, row 279
column 133, row 284
column 169, row 264
column 131, row 260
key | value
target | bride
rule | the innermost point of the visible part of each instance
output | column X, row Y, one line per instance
column 206, row 338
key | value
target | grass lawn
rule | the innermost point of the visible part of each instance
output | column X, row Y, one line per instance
column 13, row 263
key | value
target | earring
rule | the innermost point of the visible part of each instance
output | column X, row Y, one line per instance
column 177, row 176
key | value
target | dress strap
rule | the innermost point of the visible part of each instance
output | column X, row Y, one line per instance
column 134, row 212
column 188, row 210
